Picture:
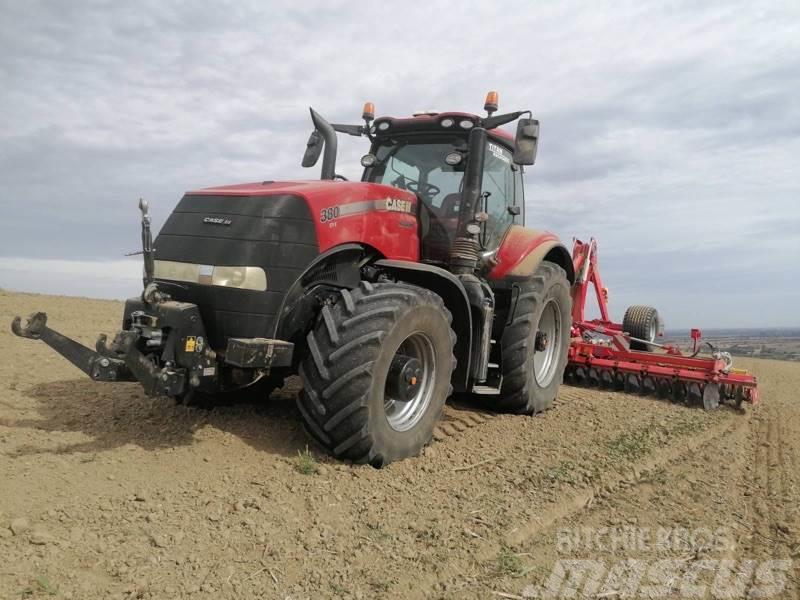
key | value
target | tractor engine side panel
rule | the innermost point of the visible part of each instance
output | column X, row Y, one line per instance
column 379, row 216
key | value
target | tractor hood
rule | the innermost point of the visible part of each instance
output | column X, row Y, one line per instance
column 380, row 216
column 268, row 233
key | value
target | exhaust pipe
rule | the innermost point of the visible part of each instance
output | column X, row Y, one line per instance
column 329, row 138
column 465, row 248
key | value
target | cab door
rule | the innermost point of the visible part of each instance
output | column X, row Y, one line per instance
column 502, row 195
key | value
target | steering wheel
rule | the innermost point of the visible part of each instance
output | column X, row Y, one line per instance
column 429, row 191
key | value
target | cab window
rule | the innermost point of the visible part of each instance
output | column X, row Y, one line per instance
column 498, row 193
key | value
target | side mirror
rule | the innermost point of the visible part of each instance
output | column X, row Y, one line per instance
column 526, row 142
column 313, row 149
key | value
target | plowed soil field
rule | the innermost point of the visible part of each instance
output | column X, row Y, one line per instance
column 106, row 493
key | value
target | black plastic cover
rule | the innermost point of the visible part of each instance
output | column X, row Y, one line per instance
column 274, row 232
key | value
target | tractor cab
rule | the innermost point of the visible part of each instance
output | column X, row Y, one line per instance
column 428, row 156
column 465, row 172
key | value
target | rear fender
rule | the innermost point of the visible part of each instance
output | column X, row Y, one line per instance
column 450, row 289
column 523, row 250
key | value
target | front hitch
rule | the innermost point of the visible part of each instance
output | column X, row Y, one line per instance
column 98, row 366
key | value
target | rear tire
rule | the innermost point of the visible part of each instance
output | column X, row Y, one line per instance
column 363, row 349
column 641, row 322
column 531, row 377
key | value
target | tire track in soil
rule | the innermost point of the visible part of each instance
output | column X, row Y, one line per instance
column 770, row 504
column 608, row 485
column 457, row 418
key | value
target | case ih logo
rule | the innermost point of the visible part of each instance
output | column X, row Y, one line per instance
column 217, row 221
column 331, row 213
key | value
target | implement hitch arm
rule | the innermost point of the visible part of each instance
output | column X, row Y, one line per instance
column 96, row 365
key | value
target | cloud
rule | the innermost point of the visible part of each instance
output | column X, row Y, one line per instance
column 669, row 131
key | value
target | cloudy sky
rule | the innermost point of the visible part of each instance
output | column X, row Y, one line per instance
column 670, row 131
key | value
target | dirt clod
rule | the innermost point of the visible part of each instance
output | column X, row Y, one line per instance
column 40, row 535
column 19, row 526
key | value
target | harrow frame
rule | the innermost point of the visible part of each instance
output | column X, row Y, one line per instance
column 600, row 353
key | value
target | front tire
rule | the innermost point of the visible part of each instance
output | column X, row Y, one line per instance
column 377, row 373
column 535, row 343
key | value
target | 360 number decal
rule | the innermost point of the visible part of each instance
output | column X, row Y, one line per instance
column 328, row 214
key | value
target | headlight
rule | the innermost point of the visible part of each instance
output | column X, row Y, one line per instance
column 176, row 271
column 466, row 124
column 245, row 278
column 447, row 123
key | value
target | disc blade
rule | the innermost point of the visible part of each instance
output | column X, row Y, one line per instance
column 711, row 396
column 694, row 393
column 606, row 379
column 633, row 384
column 619, row 380
column 678, row 391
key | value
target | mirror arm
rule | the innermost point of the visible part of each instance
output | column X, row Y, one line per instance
column 496, row 121
column 354, row 130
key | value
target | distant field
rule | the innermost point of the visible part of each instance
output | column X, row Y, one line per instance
column 776, row 343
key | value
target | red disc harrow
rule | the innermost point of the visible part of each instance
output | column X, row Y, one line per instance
column 603, row 354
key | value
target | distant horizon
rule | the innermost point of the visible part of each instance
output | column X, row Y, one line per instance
column 671, row 331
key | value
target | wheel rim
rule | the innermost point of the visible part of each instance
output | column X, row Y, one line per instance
column 651, row 331
column 404, row 413
column 547, row 348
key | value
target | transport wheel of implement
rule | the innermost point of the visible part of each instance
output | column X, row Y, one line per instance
column 641, row 322
column 536, row 341
column 377, row 372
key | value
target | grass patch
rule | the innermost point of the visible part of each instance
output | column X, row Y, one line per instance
column 380, row 585
column 338, row 589
column 564, row 472
column 631, row 445
column 306, row 463
column 686, row 427
column 40, row 583
column 377, row 534
column 510, row 564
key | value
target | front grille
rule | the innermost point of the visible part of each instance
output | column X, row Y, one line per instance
column 275, row 233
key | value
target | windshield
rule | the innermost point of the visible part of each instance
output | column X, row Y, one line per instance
column 419, row 166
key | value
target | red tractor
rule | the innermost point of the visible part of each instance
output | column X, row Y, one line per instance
column 385, row 295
